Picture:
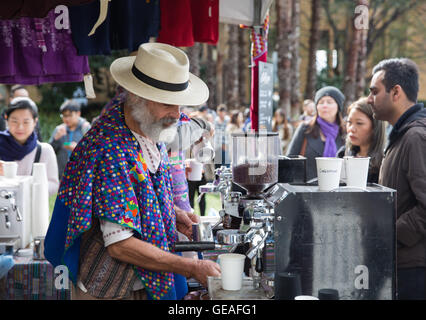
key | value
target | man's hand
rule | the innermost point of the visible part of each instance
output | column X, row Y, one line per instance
column 1, row 168
column 62, row 130
column 203, row 269
column 184, row 221
column 71, row 146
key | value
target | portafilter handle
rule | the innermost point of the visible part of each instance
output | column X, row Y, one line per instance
column 182, row 246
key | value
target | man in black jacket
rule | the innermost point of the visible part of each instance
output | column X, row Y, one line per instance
column 393, row 95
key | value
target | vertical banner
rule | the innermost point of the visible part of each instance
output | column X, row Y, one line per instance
column 259, row 53
column 265, row 91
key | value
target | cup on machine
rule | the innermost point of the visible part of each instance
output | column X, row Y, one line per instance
column 232, row 270
column 328, row 170
column 356, row 171
column 10, row 169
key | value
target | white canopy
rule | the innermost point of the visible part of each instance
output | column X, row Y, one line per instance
column 243, row 11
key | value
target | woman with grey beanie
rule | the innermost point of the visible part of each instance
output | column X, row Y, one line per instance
column 324, row 134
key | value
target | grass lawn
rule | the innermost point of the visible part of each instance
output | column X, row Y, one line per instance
column 212, row 201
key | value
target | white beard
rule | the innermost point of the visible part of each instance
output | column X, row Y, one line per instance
column 156, row 130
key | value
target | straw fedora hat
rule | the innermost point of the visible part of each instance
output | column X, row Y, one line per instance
column 160, row 72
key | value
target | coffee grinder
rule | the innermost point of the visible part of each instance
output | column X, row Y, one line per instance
column 248, row 216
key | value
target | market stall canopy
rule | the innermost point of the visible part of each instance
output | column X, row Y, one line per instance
column 246, row 12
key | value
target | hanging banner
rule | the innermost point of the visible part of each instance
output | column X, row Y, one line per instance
column 265, row 90
column 259, row 53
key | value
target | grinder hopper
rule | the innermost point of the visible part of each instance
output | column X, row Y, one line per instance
column 255, row 161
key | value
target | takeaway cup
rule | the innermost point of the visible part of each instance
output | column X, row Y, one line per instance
column 232, row 270
column 196, row 170
column 10, row 169
column 357, row 171
column 328, row 171
column 203, row 151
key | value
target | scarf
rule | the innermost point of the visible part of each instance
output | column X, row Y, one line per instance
column 107, row 177
column 11, row 150
column 330, row 131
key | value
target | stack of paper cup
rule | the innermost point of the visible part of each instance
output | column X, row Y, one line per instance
column 40, row 200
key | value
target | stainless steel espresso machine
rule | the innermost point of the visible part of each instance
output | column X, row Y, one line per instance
column 342, row 240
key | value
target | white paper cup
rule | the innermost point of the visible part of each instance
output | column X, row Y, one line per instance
column 232, row 270
column 328, row 171
column 10, row 169
column 357, row 171
column 203, row 151
column 196, row 170
column 305, row 298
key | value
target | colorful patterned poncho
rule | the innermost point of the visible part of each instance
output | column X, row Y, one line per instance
column 107, row 178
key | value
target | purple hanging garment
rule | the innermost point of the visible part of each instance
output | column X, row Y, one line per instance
column 35, row 51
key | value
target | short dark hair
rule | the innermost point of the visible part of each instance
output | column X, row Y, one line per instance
column 401, row 71
column 203, row 108
column 22, row 103
column 222, row 107
column 16, row 87
column 69, row 105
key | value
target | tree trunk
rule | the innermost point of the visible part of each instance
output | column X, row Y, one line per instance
column 243, row 66
column 194, row 58
column 349, row 85
column 231, row 70
column 362, row 66
column 351, row 70
column 283, row 27
column 211, row 77
column 295, row 59
column 314, row 37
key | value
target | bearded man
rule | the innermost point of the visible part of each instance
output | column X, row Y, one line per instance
column 114, row 224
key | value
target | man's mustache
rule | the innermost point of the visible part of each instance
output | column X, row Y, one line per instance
column 168, row 121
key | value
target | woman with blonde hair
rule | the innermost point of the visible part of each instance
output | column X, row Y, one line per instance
column 281, row 125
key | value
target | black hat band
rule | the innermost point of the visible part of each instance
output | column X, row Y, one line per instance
column 157, row 83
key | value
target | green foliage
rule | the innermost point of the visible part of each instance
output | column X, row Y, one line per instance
column 324, row 80
column 48, row 121
column 55, row 93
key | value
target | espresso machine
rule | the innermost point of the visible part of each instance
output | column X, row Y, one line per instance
column 342, row 240
column 247, row 216
column 15, row 213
